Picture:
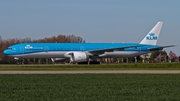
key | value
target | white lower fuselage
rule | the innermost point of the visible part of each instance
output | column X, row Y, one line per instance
column 62, row 54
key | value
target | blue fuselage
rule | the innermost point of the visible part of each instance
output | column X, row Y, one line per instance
column 59, row 50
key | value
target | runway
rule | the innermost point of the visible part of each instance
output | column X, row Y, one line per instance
column 95, row 72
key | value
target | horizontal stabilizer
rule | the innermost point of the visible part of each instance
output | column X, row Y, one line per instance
column 158, row 48
column 168, row 46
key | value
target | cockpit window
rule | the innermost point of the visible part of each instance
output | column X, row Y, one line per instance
column 9, row 48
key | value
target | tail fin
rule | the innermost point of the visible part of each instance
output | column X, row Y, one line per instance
column 152, row 37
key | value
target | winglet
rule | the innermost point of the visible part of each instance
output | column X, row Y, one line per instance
column 152, row 37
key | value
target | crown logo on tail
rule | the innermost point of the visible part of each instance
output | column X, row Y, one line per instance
column 151, row 36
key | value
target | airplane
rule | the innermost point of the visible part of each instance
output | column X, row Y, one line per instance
column 85, row 52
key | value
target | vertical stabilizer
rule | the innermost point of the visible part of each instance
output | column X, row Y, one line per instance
column 152, row 37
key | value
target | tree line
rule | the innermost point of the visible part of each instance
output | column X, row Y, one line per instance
column 4, row 43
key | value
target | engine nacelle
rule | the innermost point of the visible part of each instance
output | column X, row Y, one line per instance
column 79, row 57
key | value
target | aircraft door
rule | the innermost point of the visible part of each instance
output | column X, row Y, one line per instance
column 46, row 49
column 139, row 48
column 81, row 48
column 22, row 50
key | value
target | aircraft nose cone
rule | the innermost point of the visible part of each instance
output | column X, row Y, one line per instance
column 5, row 52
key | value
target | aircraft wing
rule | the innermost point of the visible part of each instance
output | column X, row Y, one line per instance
column 157, row 48
column 102, row 51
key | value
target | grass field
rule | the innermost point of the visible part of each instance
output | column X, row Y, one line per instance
column 140, row 66
column 90, row 87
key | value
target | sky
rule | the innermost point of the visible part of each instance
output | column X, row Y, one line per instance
column 93, row 20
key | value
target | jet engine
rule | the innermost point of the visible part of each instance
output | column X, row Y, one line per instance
column 79, row 57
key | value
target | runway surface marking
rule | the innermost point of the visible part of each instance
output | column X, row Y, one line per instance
column 95, row 72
